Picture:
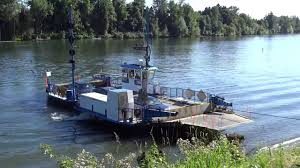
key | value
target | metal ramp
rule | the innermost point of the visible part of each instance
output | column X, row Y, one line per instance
column 217, row 121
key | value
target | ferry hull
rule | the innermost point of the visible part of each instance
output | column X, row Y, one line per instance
column 52, row 100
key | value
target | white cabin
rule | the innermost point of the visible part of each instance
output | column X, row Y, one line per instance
column 133, row 76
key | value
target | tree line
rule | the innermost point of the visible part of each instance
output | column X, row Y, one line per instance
column 42, row 19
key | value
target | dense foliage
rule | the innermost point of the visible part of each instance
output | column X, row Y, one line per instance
column 34, row 19
column 218, row 154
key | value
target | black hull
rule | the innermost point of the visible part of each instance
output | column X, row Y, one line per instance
column 162, row 133
column 61, row 103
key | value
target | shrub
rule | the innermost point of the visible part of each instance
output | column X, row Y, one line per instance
column 153, row 158
column 56, row 36
column 118, row 35
column 26, row 36
column 44, row 36
column 132, row 35
column 218, row 154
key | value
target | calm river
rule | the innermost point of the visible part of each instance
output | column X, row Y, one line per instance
column 258, row 74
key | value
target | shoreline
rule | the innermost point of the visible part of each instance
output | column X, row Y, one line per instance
column 219, row 153
column 170, row 37
column 285, row 144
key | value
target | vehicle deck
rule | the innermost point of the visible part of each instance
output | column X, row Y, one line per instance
column 214, row 120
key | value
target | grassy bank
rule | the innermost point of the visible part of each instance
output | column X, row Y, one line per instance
column 217, row 154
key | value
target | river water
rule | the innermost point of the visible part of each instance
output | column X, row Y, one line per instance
column 260, row 75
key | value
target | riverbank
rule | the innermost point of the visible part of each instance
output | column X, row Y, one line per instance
column 63, row 35
column 195, row 153
column 203, row 148
column 118, row 36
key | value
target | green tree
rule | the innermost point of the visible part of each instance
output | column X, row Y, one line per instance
column 271, row 21
column 229, row 30
column 285, row 24
column 154, row 27
column 135, row 21
column 228, row 15
column 9, row 9
column 192, row 20
column 216, row 20
column 182, row 27
column 160, row 8
column 85, row 9
column 104, row 17
column 121, row 14
column 205, row 25
column 59, row 19
column 246, row 25
column 176, row 23
column 24, row 22
column 296, row 24
column 261, row 27
column 167, row 18
column 40, row 10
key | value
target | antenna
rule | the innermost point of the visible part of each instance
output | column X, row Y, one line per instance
column 72, row 50
column 143, row 96
column 147, row 35
column 147, row 41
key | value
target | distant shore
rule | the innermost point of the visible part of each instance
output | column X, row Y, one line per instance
column 126, row 36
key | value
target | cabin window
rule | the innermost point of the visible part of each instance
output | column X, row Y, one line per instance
column 125, row 76
column 131, row 73
column 137, row 74
column 144, row 75
column 151, row 74
column 137, row 80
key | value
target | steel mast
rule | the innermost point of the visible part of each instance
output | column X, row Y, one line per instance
column 143, row 96
column 71, row 39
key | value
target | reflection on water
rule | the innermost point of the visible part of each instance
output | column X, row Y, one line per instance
column 259, row 74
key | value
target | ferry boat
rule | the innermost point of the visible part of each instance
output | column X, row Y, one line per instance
column 132, row 98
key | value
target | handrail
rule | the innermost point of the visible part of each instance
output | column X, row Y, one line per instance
column 185, row 94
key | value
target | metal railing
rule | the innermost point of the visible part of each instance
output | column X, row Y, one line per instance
column 115, row 79
column 182, row 94
column 142, row 114
column 116, row 82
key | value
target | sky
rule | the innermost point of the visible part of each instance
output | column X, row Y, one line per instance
column 255, row 8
